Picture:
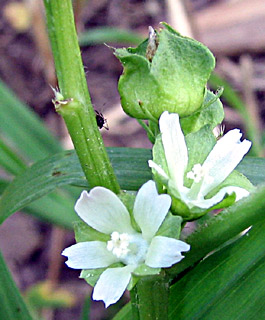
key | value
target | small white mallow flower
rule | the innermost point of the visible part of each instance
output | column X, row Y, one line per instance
column 102, row 210
column 221, row 161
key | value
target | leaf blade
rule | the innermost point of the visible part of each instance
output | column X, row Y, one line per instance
column 224, row 281
column 64, row 169
column 12, row 303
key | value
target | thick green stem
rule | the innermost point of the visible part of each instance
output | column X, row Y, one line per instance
column 76, row 107
column 149, row 299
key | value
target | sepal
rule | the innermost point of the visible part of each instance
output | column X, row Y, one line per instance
column 84, row 233
column 171, row 227
column 92, row 275
column 211, row 113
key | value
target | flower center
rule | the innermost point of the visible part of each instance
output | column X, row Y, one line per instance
column 119, row 244
column 130, row 249
column 198, row 173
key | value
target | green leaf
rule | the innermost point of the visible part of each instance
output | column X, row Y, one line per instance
column 229, row 284
column 210, row 114
column 103, row 35
column 170, row 227
column 56, row 208
column 174, row 80
column 144, row 270
column 160, row 159
column 62, row 169
column 125, row 313
column 25, row 140
column 83, row 232
column 217, row 229
column 22, row 128
column 199, row 145
column 12, row 303
column 9, row 160
column 3, row 185
column 91, row 275
column 236, row 179
column 253, row 169
column 86, row 309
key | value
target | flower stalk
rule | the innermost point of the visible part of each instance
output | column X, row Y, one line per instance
column 149, row 299
column 75, row 106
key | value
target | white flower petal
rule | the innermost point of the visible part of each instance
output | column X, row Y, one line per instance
column 89, row 255
column 111, row 284
column 174, row 146
column 103, row 210
column 164, row 252
column 223, row 159
column 158, row 169
column 208, row 203
column 150, row 209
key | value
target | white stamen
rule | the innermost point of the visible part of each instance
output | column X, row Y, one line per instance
column 198, row 173
column 119, row 244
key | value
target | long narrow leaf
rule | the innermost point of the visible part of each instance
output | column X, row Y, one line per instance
column 12, row 304
column 130, row 166
column 26, row 139
column 21, row 126
column 230, row 284
column 222, row 227
column 106, row 34
column 9, row 160
column 56, row 208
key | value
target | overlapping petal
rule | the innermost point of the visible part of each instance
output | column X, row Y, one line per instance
column 150, row 209
column 112, row 283
column 174, row 146
column 164, row 252
column 223, row 159
column 208, row 203
column 89, row 255
column 102, row 210
column 159, row 170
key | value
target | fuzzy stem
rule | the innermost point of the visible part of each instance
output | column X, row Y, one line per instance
column 76, row 109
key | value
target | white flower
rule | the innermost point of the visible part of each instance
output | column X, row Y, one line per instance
column 102, row 210
column 221, row 161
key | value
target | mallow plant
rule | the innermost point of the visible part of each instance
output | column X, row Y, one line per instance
column 167, row 238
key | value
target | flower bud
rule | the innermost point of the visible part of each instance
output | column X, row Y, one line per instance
column 165, row 72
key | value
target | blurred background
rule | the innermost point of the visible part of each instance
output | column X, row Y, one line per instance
column 232, row 29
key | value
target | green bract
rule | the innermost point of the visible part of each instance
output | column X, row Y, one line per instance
column 174, row 79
